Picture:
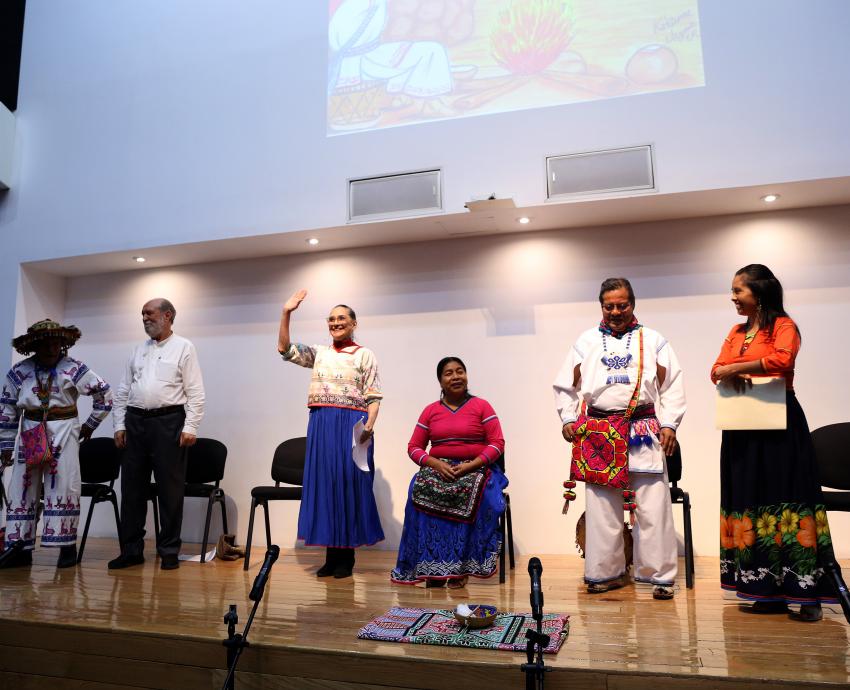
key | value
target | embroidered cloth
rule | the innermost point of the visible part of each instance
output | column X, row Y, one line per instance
column 439, row 627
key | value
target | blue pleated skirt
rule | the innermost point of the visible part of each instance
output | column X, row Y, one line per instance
column 338, row 506
column 434, row 548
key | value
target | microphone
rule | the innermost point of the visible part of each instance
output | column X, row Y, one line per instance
column 535, row 570
column 263, row 576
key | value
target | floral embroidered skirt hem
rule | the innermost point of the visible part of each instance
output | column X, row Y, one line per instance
column 434, row 548
column 774, row 533
column 338, row 506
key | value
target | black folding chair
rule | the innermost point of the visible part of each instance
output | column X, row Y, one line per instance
column 204, row 471
column 288, row 468
column 506, row 529
column 100, row 464
column 679, row 495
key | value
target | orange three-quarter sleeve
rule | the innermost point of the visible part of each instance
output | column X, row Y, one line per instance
column 786, row 345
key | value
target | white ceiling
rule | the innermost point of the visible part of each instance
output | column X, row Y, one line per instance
column 550, row 216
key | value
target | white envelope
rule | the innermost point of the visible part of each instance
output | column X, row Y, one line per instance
column 359, row 450
column 761, row 406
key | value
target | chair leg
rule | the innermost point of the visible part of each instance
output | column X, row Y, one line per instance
column 510, row 529
column 155, row 504
column 689, row 541
column 210, row 502
column 250, row 534
column 86, row 531
column 222, row 501
column 268, row 525
column 502, row 549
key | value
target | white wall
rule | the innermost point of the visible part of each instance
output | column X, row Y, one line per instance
column 510, row 307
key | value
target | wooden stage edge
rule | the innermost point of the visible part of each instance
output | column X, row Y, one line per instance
column 87, row 627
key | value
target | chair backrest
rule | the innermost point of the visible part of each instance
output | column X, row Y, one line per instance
column 832, row 448
column 288, row 463
column 674, row 465
column 205, row 461
column 100, row 461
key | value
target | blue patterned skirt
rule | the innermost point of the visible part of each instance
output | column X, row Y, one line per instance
column 338, row 507
column 434, row 548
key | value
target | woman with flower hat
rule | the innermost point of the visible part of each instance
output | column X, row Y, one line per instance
column 43, row 389
column 774, row 535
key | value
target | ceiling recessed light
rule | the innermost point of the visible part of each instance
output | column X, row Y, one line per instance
column 313, row 241
column 770, row 198
column 525, row 220
column 139, row 259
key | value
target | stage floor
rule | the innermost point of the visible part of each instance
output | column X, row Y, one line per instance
column 143, row 627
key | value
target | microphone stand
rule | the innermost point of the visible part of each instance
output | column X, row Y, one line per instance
column 236, row 642
column 833, row 571
column 535, row 670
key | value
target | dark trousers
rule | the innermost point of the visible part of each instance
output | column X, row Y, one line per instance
column 153, row 443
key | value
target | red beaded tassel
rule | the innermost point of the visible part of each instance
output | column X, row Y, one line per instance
column 630, row 505
column 569, row 495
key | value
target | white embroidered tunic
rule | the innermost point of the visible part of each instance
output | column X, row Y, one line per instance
column 608, row 367
column 346, row 378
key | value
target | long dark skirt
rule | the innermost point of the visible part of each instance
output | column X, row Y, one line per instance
column 774, row 535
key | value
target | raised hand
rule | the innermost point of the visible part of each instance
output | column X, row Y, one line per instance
column 295, row 301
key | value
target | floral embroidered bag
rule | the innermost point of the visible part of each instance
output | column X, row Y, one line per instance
column 600, row 453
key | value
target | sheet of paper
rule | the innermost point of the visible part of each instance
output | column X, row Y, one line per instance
column 759, row 407
column 359, row 450
column 197, row 559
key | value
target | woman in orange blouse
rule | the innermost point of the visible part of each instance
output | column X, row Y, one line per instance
column 774, row 535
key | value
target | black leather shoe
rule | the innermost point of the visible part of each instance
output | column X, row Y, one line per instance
column 125, row 561
column 19, row 560
column 67, row 556
column 169, row 563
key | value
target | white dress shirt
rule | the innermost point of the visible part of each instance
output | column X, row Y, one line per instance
column 161, row 374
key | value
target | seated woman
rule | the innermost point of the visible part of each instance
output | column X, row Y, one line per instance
column 451, row 521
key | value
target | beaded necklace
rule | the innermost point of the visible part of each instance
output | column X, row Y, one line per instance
column 616, row 362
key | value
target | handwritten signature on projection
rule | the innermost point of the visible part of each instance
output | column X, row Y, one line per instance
column 680, row 28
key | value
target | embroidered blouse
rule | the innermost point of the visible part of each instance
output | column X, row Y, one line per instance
column 72, row 378
column 776, row 351
column 346, row 378
column 470, row 431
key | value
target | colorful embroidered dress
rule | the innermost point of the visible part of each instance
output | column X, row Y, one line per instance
column 338, row 506
column 438, row 548
column 61, row 479
column 774, row 534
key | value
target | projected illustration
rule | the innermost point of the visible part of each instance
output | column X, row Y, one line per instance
column 399, row 62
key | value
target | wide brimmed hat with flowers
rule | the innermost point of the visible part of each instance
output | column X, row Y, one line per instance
column 46, row 328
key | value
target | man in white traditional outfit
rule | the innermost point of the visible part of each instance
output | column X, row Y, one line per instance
column 419, row 69
column 158, row 408
column 599, row 378
column 44, row 390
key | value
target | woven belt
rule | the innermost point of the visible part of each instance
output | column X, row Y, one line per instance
column 158, row 412
column 53, row 414
column 641, row 412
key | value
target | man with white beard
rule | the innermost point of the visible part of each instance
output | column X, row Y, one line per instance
column 157, row 410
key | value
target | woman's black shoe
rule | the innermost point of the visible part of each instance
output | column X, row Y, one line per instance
column 345, row 564
column 331, row 558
